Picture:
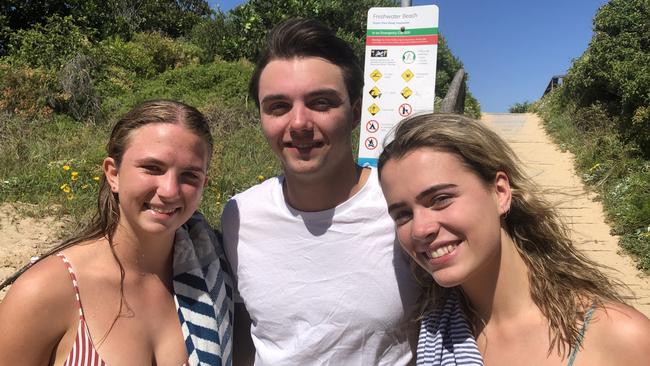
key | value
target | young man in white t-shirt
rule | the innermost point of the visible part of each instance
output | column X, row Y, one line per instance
column 320, row 277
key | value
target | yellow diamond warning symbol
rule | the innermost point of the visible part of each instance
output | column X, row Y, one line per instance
column 374, row 92
column 375, row 75
column 373, row 109
column 407, row 75
column 406, row 92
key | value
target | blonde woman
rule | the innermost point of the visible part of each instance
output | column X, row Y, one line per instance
column 466, row 214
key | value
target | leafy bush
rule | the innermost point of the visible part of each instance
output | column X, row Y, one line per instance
column 27, row 92
column 246, row 25
column 520, row 107
column 472, row 106
column 50, row 45
column 198, row 85
column 128, row 56
column 209, row 35
column 614, row 71
column 166, row 52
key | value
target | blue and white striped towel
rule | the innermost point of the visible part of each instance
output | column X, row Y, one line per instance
column 203, row 293
column 446, row 339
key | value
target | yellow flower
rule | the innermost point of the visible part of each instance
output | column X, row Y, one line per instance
column 65, row 188
column 70, row 196
column 596, row 166
column 66, row 167
column 260, row 178
column 84, row 186
column 74, row 175
column 96, row 178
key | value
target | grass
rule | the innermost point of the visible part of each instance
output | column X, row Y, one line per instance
column 53, row 162
column 611, row 167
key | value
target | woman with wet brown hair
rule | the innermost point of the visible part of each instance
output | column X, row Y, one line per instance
column 145, row 282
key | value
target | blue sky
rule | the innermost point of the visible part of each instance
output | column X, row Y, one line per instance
column 509, row 48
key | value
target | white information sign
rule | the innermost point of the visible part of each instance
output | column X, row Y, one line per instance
column 399, row 72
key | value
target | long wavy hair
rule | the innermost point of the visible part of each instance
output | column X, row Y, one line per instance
column 564, row 283
column 106, row 219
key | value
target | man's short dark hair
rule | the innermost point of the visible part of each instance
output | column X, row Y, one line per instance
column 309, row 38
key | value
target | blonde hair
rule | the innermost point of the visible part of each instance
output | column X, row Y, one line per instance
column 564, row 283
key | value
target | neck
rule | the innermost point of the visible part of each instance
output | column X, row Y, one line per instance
column 321, row 192
column 501, row 291
column 143, row 254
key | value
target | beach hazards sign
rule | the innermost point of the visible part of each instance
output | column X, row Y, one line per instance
column 399, row 72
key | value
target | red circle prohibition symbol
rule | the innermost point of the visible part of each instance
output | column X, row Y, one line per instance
column 371, row 143
column 405, row 110
column 372, row 126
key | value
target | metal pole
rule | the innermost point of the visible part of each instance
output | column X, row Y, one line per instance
column 406, row 3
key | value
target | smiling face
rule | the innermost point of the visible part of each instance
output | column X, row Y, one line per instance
column 447, row 219
column 307, row 116
column 160, row 179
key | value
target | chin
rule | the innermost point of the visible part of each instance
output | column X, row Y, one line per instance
column 447, row 280
column 302, row 168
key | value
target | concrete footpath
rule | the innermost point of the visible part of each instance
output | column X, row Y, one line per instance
column 553, row 170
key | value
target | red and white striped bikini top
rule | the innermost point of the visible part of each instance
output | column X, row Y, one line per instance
column 83, row 351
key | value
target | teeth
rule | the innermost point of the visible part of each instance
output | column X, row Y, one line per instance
column 161, row 210
column 305, row 145
column 440, row 251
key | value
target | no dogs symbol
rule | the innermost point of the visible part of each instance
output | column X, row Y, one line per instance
column 371, row 143
column 405, row 110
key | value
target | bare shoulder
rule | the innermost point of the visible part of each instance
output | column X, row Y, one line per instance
column 39, row 308
column 46, row 284
column 624, row 320
column 621, row 333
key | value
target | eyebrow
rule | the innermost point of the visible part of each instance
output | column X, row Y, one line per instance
column 311, row 94
column 151, row 160
column 423, row 194
column 433, row 189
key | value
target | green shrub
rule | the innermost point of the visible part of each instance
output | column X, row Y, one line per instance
column 130, row 56
column 27, row 92
column 614, row 71
column 50, row 45
column 167, row 53
column 219, row 82
column 520, row 107
column 209, row 35
column 246, row 25
column 121, row 64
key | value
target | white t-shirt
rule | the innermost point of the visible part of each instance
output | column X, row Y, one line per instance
column 322, row 288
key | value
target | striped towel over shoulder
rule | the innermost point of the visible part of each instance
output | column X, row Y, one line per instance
column 203, row 293
column 445, row 338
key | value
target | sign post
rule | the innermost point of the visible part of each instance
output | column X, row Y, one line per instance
column 399, row 72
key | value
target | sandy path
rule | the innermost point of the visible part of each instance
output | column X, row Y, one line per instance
column 554, row 170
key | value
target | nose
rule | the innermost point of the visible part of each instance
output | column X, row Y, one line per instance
column 301, row 120
column 168, row 186
column 425, row 226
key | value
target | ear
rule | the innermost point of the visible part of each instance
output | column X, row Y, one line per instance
column 205, row 182
column 356, row 112
column 503, row 192
column 111, row 173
